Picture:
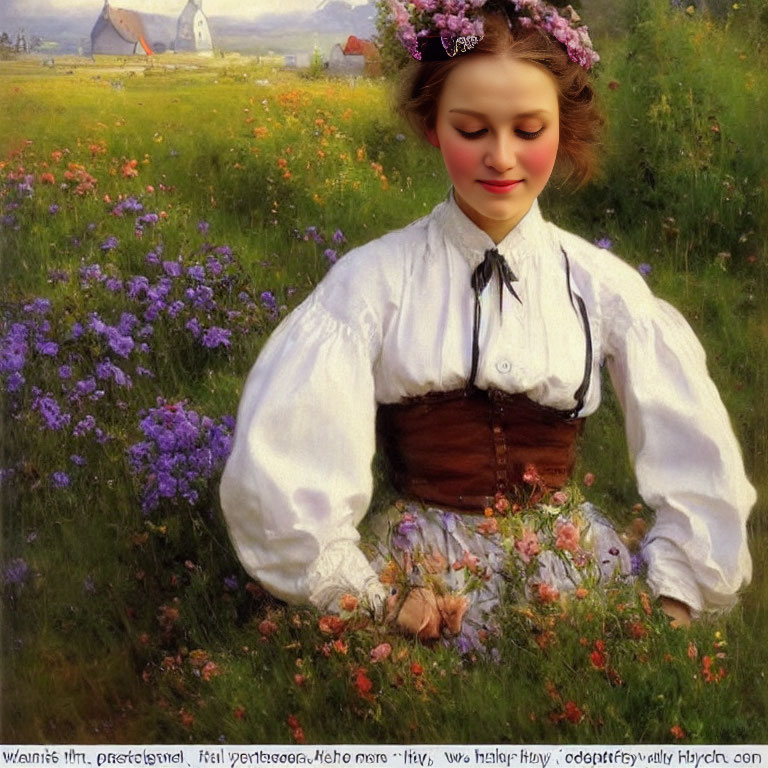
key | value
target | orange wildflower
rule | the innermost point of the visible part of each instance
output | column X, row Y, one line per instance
column 130, row 169
column 331, row 625
column 348, row 603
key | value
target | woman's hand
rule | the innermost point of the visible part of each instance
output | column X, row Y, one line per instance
column 425, row 614
column 678, row 612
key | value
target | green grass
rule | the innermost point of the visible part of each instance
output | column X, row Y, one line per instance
column 108, row 639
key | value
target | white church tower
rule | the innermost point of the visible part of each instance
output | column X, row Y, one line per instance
column 193, row 33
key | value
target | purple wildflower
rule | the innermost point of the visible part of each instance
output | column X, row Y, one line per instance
column 110, row 243
column 338, row 237
column 330, row 254
column 38, row 307
column 196, row 272
column 84, row 426
column 136, row 286
column 77, row 460
column 216, row 337
column 193, row 326
column 54, row 209
column 202, row 226
column 50, row 410
column 231, row 583
column 644, row 269
column 60, row 480
column 65, row 372
column 14, row 382
column 172, row 268
column 47, row 348
column 604, row 242
column 113, row 285
column 16, row 572
column 119, row 344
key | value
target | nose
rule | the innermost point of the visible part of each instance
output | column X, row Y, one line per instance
column 501, row 153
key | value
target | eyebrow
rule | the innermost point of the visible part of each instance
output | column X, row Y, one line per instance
column 531, row 113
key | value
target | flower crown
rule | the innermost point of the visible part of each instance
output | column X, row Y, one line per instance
column 432, row 30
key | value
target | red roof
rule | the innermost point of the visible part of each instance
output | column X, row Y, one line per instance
column 358, row 46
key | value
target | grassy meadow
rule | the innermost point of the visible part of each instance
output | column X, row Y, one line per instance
column 155, row 226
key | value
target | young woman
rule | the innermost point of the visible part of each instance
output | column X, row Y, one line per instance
column 474, row 339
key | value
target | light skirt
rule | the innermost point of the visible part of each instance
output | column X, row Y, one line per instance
column 537, row 554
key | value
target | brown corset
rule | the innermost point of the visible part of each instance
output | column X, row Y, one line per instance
column 459, row 448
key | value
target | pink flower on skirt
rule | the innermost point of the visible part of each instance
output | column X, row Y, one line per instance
column 528, row 546
column 567, row 536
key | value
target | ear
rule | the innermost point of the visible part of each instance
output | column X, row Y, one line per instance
column 431, row 135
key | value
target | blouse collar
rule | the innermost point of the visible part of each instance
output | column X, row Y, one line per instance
column 526, row 239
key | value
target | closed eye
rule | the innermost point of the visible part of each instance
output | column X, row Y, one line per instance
column 472, row 134
column 529, row 135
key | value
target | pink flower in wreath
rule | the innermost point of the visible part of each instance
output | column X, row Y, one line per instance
column 528, row 545
column 567, row 536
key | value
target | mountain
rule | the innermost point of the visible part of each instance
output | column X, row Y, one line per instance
column 332, row 22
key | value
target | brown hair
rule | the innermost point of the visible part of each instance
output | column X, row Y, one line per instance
column 580, row 119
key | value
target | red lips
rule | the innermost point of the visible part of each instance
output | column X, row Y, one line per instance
column 499, row 187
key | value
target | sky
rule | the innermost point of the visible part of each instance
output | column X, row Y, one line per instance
column 249, row 8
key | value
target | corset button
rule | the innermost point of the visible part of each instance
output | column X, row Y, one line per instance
column 503, row 366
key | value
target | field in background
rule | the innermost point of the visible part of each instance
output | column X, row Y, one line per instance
column 156, row 224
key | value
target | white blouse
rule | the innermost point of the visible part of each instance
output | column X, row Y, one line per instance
column 393, row 319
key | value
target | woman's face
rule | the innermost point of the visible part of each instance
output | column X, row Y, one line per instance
column 498, row 127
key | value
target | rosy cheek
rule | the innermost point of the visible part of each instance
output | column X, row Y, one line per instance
column 459, row 157
column 540, row 158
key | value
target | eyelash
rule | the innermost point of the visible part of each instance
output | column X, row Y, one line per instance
column 526, row 135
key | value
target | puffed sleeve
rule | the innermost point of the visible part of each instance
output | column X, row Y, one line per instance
column 686, row 458
column 298, row 481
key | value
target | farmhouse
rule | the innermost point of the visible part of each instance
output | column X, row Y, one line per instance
column 356, row 57
column 119, row 31
column 123, row 32
column 193, row 33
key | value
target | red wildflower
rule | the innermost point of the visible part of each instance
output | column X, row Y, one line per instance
column 331, row 625
column 299, row 679
column 417, row 669
column 267, row 628
column 677, row 732
column 637, row 630
column 363, row 684
column 239, row 713
column 47, row 178
column 693, row 651
column 589, row 479
column 597, row 657
column 572, row 712
column 646, row 603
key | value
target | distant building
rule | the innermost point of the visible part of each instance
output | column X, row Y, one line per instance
column 193, row 33
column 298, row 60
column 356, row 57
column 122, row 32
column 118, row 31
